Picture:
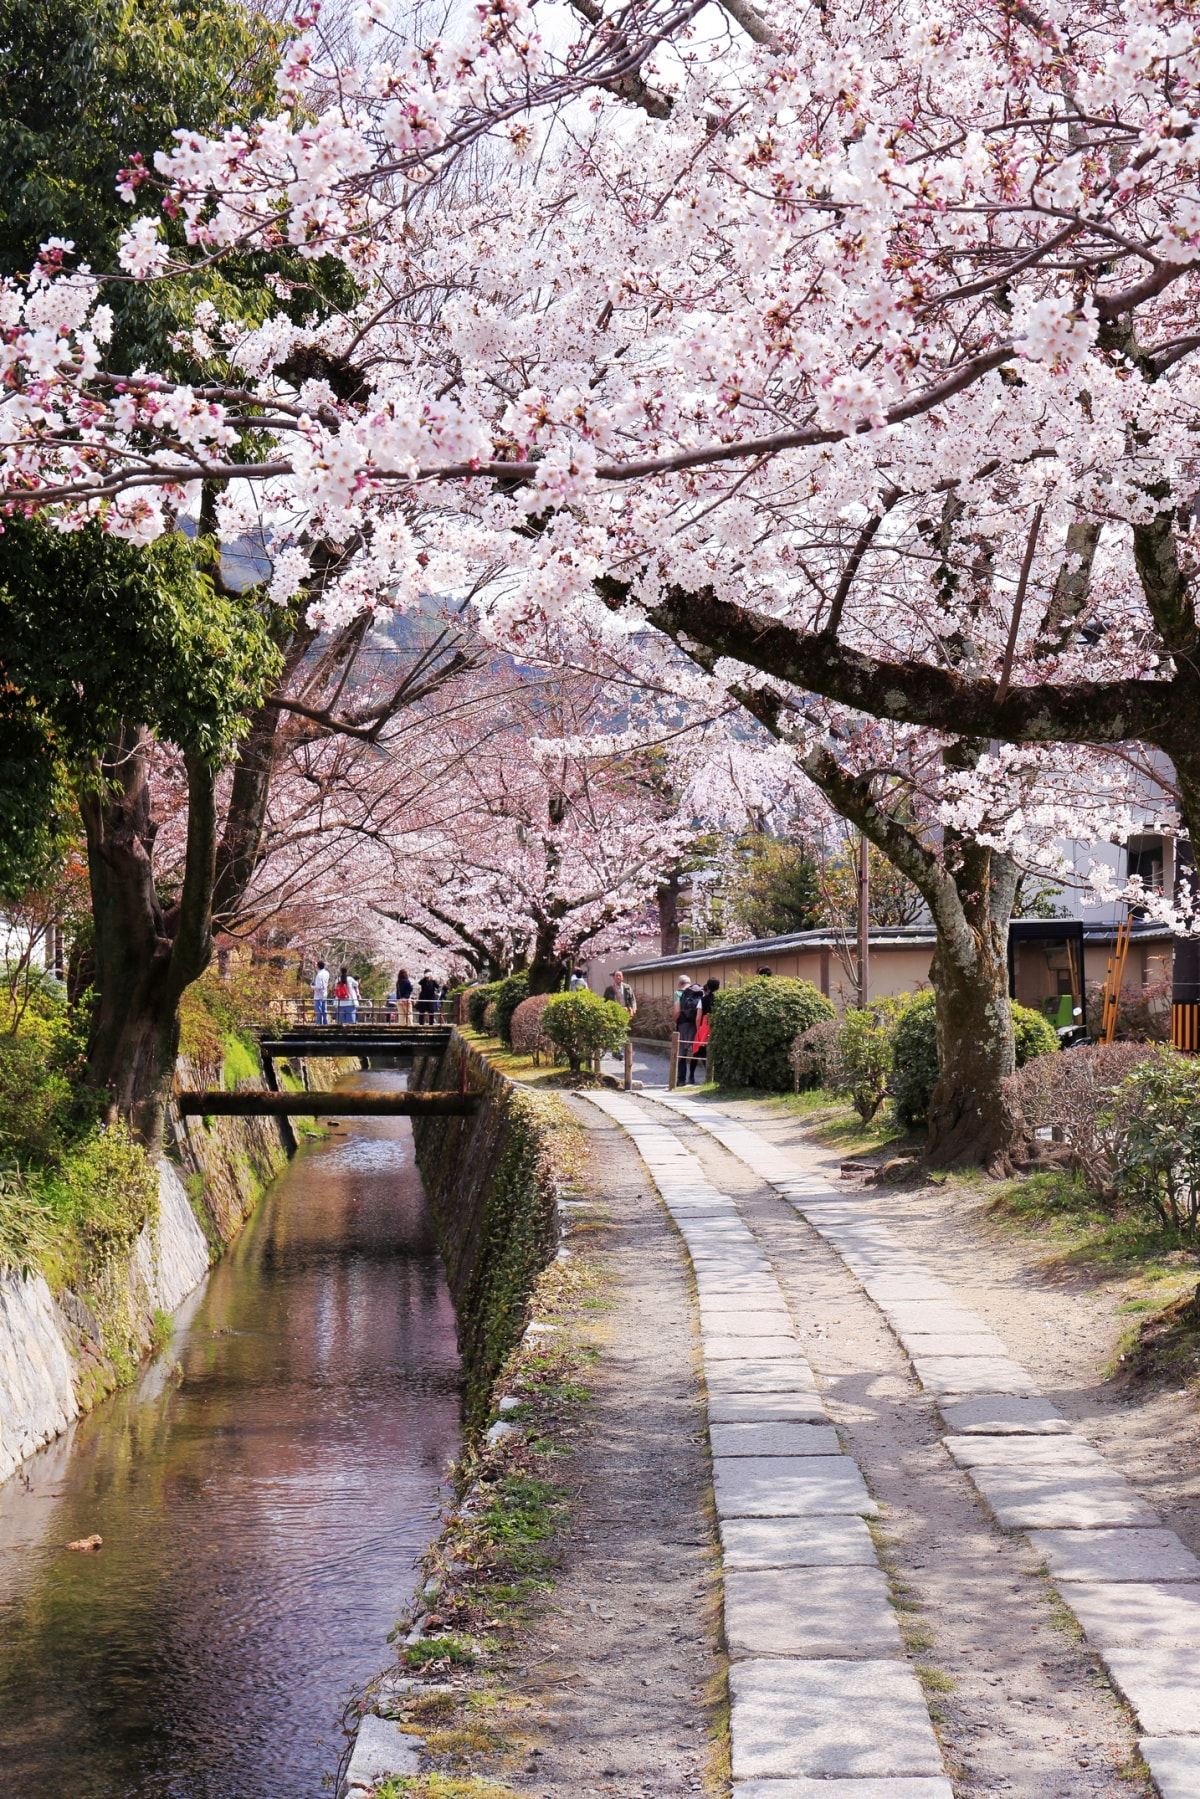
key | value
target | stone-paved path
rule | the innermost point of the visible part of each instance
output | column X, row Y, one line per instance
column 1133, row 1586
column 822, row 1700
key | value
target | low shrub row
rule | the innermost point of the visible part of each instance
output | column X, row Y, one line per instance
column 581, row 1025
column 1127, row 1118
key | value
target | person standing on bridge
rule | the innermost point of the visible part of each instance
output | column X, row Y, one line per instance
column 428, row 995
column 404, row 996
column 343, row 993
column 321, row 995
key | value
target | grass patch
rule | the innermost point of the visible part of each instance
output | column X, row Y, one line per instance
column 442, row 1786
column 934, row 1680
column 1165, row 1350
column 1084, row 1234
column 435, row 1654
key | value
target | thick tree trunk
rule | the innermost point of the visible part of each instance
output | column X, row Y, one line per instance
column 547, row 970
column 971, row 1117
column 145, row 955
column 668, row 916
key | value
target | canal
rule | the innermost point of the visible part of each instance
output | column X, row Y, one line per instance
column 262, row 1492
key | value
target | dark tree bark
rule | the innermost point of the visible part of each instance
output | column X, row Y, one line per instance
column 667, row 899
column 145, row 954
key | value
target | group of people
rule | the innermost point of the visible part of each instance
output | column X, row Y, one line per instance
column 424, row 998
column 692, row 1015
column 346, row 996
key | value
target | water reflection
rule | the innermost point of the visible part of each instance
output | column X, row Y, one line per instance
column 261, row 1508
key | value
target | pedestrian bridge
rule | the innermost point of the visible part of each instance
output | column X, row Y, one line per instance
column 308, row 1042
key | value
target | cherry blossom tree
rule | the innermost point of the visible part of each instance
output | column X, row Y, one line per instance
column 853, row 349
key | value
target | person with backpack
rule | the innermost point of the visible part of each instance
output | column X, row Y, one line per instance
column 344, row 995
column 689, row 999
column 700, row 1041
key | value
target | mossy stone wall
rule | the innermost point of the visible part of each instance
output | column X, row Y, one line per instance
column 493, row 1180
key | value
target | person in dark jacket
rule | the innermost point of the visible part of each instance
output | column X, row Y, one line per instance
column 404, row 997
column 428, row 996
column 700, row 1041
column 687, row 1012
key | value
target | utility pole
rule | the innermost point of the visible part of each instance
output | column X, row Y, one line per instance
column 864, row 920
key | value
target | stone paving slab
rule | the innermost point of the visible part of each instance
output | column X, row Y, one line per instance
column 1173, row 1761
column 1162, row 1686
column 766, row 1408
column 774, row 1439
column 379, row 1750
column 810, row 1612
column 953, row 1343
column 904, row 1317
column 836, row 1540
column 801, row 1788
column 770, row 1347
column 1024, row 1452
column 789, row 1486
column 1003, row 1414
column 828, row 1719
column 740, row 1293
column 744, row 1326
column 1137, row 1614
column 972, row 1374
column 909, row 1288
column 752, row 1375
column 1066, row 1499
column 1115, row 1555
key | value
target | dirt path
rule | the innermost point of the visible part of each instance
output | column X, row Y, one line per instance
column 1022, row 1707
column 622, row 1654
column 1064, row 1328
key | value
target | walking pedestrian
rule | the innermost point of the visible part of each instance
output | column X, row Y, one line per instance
column 321, row 995
column 618, row 989
column 577, row 982
column 343, row 993
column 427, row 998
column 404, row 998
column 700, row 1041
column 688, row 1000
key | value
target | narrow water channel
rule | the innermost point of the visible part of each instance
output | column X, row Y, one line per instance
column 262, row 1493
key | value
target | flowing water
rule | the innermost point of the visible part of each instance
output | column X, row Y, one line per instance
column 262, row 1493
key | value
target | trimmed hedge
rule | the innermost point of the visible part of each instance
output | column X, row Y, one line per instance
column 509, row 994
column 478, row 1001
column 583, row 1025
column 915, row 1060
column 754, row 1027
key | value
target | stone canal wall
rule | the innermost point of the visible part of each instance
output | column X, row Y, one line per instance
column 60, row 1352
column 493, row 1180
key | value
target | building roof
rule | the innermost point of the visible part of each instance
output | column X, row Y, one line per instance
column 903, row 936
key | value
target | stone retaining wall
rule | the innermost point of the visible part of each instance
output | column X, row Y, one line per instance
column 493, row 1182
column 57, row 1354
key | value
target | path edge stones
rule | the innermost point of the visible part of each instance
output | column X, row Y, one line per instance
column 821, row 1693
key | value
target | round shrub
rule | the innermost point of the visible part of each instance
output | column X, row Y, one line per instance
column 915, row 1059
column 582, row 1024
column 1034, row 1035
column 478, row 1001
column 754, row 1027
column 528, row 1037
column 509, row 994
column 489, row 1018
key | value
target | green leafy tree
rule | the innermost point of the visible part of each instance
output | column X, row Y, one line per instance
column 583, row 1025
column 108, row 649
column 776, row 889
column 860, row 1068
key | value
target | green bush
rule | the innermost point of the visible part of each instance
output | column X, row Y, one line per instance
column 36, row 1103
column 1154, row 1128
column 753, row 1028
column 860, row 1067
column 510, row 992
column 915, row 1060
column 478, row 1001
column 105, row 1190
column 582, row 1024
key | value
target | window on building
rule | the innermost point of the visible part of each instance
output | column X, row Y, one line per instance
column 1146, row 860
